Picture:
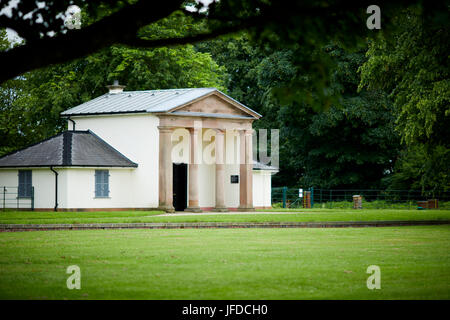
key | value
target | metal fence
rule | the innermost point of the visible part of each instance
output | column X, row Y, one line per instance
column 10, row 199
column 284, row 197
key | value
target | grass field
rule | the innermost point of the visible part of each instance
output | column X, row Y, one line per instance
column 23, row 217
column 227, row 263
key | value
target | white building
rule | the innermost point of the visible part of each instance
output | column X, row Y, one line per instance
column 182, row 149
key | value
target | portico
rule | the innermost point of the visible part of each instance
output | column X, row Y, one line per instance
column 220, row 142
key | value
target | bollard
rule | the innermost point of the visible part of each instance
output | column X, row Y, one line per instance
column 433, row 204
column 307, row 199
column 284, row 196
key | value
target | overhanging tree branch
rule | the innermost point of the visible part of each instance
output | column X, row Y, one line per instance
column 119, row 27
column 222, row 30
column 290, row 20
column 23, row 29
column 106, row 32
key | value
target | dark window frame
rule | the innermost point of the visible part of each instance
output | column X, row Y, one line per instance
column 102, row 184
column 25, row 184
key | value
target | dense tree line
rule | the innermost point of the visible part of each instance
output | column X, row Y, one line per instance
column 371, row 115
column 350, row 144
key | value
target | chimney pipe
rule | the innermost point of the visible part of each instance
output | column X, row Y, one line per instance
column 115, row 87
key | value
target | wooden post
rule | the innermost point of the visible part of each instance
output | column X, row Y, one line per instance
column 307, row 199
column 357, row 202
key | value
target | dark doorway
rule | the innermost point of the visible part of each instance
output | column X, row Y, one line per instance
column 180, row 186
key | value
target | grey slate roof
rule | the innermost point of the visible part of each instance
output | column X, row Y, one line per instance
column 146, row 101
column 70, row 148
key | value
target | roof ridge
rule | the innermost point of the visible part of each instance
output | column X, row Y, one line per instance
column 155, row 90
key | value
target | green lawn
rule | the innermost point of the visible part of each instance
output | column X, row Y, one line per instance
column 22, row 217
column 227, row 263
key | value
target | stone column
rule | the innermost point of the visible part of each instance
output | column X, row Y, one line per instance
column 165, row 169
column 246, row 171
column 193, row 171
column 220, row 172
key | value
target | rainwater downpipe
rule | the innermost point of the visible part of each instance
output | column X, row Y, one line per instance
column 56, row 189
column 73, row 127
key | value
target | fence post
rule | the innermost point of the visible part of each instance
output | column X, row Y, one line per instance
column 331, row 199
column 307, row 199
column 4, row 198
column 357, row 202
column 284, row 196
column 312, row 196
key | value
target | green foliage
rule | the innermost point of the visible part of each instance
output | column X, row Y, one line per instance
column 413, row 67
column 351, row 144
column 4, row 43
column 338, row 128
column 419, row 167
column 31, row 104
column 411, row 64
column 240, row 58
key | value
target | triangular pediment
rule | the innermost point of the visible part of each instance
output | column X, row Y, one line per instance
column 218, row 104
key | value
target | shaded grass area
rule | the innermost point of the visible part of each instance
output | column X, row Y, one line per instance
column 227, row 263
column 307, row 215
column 37, row 217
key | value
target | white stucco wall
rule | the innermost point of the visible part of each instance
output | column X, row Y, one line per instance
column 81, row 189
column 262, row 188
column 136, row 137
column 207, row 169
column 76, row 188
column 231, row 168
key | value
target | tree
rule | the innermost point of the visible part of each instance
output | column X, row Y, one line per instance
column 240, row 57
column 48, row 41
column 351, row 144
column 412, row 66
column 30, row 105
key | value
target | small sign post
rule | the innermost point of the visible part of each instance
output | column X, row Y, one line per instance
column 300, row 193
